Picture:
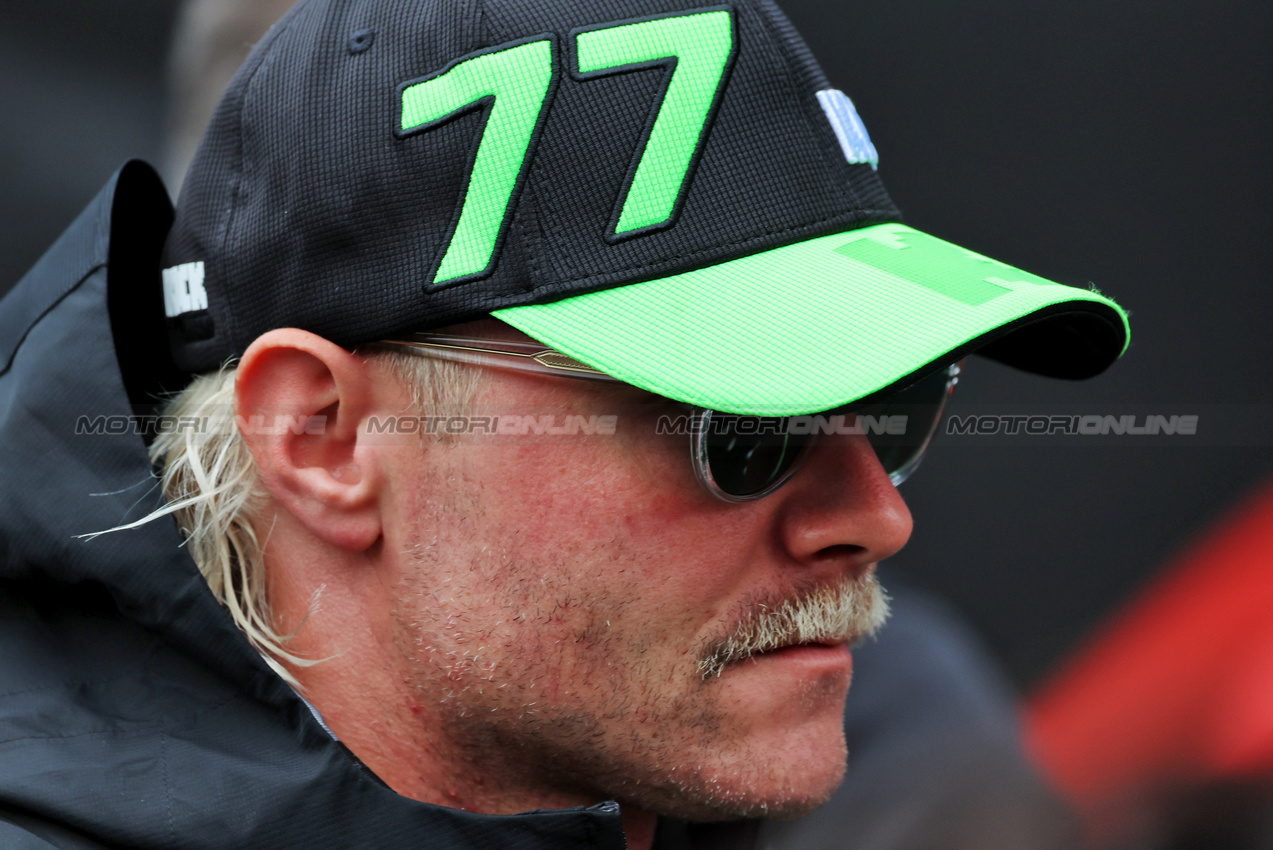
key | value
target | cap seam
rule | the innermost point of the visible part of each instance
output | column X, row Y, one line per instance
column 528, row 221
column 227, row 235
column 831, row 164
column 475, row 23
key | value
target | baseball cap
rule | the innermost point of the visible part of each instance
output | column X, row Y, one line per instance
column 671, row 193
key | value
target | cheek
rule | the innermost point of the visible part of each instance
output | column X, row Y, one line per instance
column 596, row 530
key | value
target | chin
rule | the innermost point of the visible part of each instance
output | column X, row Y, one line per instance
column 776, row 803
column 798, row 784
column 776, row 779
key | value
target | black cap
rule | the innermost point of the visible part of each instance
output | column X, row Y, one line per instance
column 310, row 205
column 659, row 190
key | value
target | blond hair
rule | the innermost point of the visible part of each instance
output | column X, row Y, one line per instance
column 212, row 488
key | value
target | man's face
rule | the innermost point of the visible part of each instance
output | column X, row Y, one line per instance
column 558, row 597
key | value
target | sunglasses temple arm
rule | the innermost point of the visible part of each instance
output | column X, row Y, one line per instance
column 542, row 362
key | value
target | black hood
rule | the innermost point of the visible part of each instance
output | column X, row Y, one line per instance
column 133, row 713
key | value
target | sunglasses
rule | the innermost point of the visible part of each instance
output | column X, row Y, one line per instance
column 737, row 457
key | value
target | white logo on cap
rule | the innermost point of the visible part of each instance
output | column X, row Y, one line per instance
column 848, row 127
column 183, row 289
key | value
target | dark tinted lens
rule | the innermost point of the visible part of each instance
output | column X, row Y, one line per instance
column 921, row 404
column 746, row 454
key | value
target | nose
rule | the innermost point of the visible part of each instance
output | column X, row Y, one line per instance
column 840, row 509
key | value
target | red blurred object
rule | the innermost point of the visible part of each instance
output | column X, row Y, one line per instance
column 1176, row 691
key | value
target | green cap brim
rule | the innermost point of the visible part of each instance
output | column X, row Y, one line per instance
column 819, row 324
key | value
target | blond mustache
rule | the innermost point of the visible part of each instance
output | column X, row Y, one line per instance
column 845, row 612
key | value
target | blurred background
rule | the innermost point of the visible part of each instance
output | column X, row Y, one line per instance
column 1124, row 144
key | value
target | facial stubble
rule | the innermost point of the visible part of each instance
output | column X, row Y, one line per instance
column 550, row 689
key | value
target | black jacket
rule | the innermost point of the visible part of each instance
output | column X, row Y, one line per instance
column 132, row 712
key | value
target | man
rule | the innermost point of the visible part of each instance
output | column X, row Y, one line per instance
column 936, row 760
column 634, row 218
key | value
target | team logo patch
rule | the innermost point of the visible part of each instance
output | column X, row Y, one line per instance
column 183, row 289
column 848, row 127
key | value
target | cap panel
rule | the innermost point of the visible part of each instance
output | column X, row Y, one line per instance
column 207, row 205
column 766, row 176
column 862, row 181
column 512, row 86
column 336, row 214
column 695, row 53
column 303, row 210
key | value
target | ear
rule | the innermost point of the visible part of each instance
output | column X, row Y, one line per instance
column 299, row 401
